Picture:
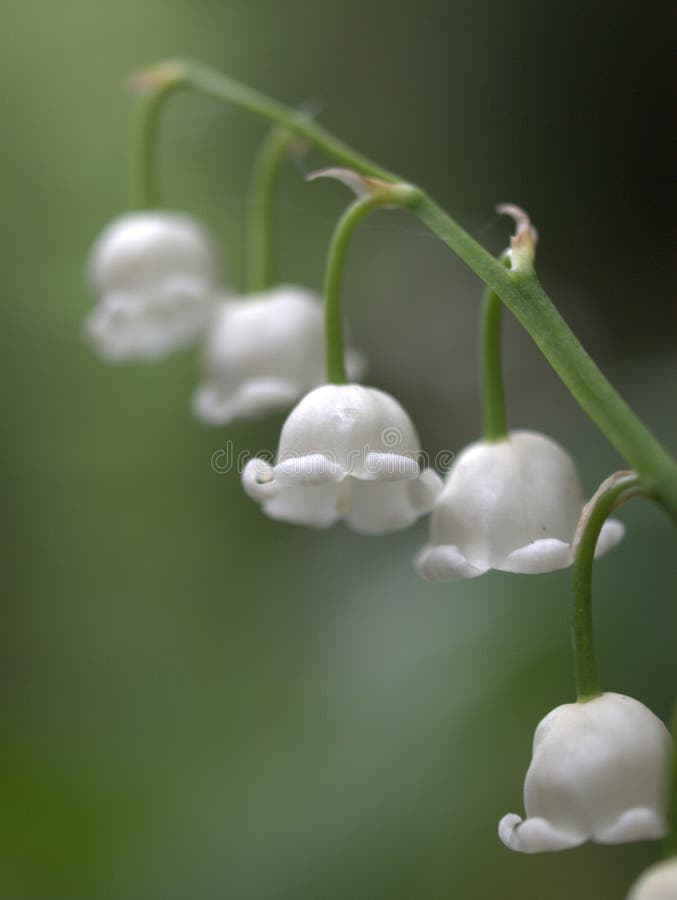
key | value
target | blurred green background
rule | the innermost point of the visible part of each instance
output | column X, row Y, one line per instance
column 198, row 702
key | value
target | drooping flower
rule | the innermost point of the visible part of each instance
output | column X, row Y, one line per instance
column 345, row 451
column 659, row 882
column 511, row 505
column 154, row 274
column 598, row 773
column 263, row 352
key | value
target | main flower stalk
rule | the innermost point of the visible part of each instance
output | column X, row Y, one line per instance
column 520, row 291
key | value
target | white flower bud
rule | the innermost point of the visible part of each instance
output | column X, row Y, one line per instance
column 263, row 353
column 598, row 773
column 345, row 451
column 154, row 275
column 511, row 505
column 659, row 882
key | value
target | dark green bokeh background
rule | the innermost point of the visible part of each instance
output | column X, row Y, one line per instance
column 200, row 703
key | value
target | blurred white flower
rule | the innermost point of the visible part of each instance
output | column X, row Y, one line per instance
column 659, row 882
column 263, row 352
column 154, row 274
column 511, row 505
column 345, row 451
column 598, row 773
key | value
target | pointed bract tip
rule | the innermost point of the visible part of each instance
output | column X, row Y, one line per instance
column 360, row 185
column 523, row 242
column 363, row 186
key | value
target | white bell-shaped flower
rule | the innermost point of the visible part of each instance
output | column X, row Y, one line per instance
column 345, row 451
column 659, row 882
column 598, row 773
column 263, row 352
column 512, row 505
column 154, row 274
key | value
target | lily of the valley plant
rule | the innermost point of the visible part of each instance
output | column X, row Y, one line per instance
column 512, row 501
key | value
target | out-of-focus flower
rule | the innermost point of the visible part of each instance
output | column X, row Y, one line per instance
column 511, row 505
column 263, row 352
column 659, row 882
column 345, row 451
column 154, row 274
column 598, row 773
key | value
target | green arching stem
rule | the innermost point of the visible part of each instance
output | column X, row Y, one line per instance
column 519, row 290
column 260, row 256
column 599, row 508
column 495, row 422
column 398, row 195
column 188, row 74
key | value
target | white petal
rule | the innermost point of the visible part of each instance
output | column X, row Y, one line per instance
column 658, row 882
column 444, row 563
column 388, row 467
column 348, row 422
column 147, row 326
column 424, row 490
column 139, row 250
column 108, row 325
column 638, row 824
column 273, row 337
column 315, row 506
column 611, row 534
column 215, row 404
column 277, row 334
column 503, row 496
column 379, row 507
column 258, row 481
column 310, row 470
column 348, row 450
column 535, row 835
column 599, row 770
column 546, row 555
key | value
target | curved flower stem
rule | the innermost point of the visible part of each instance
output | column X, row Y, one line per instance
column 495, row 422
column 611, row 494
column 519, row 290
column 397, row 195
column 145, row 180
column 265, row 172
column 333, row 329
